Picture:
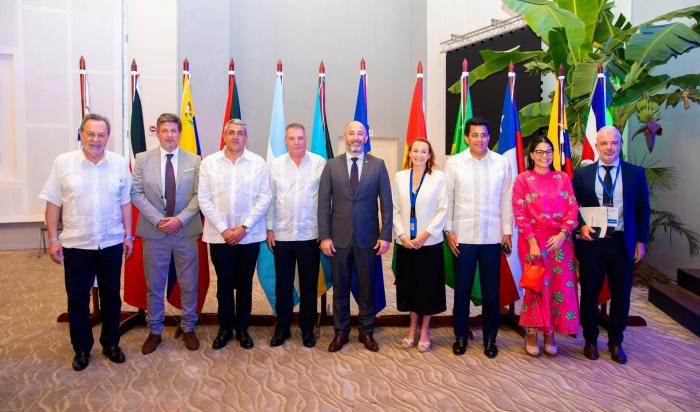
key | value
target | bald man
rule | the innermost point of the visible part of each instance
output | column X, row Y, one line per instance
column 349, row 230
column 621, row 188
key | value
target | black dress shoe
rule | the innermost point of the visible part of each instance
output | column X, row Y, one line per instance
column 617, row 354
column 309, row 341
column 280, row 335
column 490, row 349
column 221, row 339
column 81, row 360
column 460, row 346
column 367, row 339
column 114, row 354
column 339, row 340
column 590, row 350
column 246, row 340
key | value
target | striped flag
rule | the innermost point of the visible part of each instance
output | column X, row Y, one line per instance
column 189, row 141
column 322, row 146
column 558, row 131
column 275, row 148
column 416, row 118
column 459, row 144
column 134, row 278
column 510, row 144
column 361, row 116
column 233, row 107
column 596, row 119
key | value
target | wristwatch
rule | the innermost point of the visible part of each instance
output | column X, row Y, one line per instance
column 447, row 232
column 129, row 237
column 246, row 228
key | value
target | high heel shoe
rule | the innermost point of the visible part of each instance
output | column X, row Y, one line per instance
column 531, row 346
column 550, row 347
column 424, row 345
column 407, row 343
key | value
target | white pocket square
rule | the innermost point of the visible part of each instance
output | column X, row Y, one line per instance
column 188, row 170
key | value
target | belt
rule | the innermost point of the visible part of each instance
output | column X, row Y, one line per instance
column 613, row 234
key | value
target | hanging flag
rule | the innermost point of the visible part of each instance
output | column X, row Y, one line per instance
column 361, row 116
column 233, row 107
column 459, row 144
column 189, row 141
column 322, row 146
column 596, row 119
column 510, row 144
column 558, row 132
column 275, row 148
column 135, row 288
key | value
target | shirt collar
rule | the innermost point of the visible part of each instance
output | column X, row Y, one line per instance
column 305, row 159
column 470, row 157
column 164, row 152
column 361, row 156
column 614, row 164
column 222, row 155
column 104, row 159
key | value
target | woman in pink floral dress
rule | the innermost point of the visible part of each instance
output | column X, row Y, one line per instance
column 546, row 212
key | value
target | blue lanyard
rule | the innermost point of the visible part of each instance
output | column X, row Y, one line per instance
column 611, row 192
column 413, row 221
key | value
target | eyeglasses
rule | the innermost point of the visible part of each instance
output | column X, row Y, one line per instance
column 235, row 133
column 542, row 153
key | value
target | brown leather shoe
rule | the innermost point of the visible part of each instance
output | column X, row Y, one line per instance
column 151, row 343
column 590, row 350
column 616, row 353
column 191, row 341
column 337, row 343
column 368, row 340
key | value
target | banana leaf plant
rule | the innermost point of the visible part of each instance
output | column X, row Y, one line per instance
column 580, row 34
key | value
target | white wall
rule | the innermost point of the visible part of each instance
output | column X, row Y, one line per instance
column 40, row 45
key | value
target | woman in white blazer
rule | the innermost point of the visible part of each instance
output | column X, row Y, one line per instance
column 420, row 212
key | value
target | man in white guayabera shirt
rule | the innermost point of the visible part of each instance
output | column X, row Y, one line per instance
column 234, row 195
column 89, row 189
column 292, row 233
column 479, row 224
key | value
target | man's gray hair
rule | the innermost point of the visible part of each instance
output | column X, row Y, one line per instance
column 237, row 122
column 96, row 117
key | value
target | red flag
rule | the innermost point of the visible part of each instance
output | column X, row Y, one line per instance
column 416, row 118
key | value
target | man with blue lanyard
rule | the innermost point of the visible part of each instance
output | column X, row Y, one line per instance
column 620, row 188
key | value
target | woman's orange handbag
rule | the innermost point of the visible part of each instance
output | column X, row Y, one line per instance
column 533, row 277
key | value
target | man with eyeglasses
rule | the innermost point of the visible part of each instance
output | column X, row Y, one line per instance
column 621, row 188
column 89, row 189
column 479, row 223
column 234, row 195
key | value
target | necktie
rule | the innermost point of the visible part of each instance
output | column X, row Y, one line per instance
column 169, row 186
column 354, row 176
column 607, row 180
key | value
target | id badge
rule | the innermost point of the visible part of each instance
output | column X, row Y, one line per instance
column 612, row 216
column 414, row 224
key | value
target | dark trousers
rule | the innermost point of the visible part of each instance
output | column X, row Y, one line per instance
column 342, row 263
column 598, row 258
column 234, row 267
column 289, row 254
column 489, row 259
column 80, row 268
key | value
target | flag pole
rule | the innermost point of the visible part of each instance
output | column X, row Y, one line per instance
column 83, row 74
column 322, row 98
column 464, row 87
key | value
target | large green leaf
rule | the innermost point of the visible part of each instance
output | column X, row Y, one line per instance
column 536, row 109
column 534, row 116
column 692, row 12
column 604, row 28
column 644, row 85
column 588, row 12
column 495, row 61
column 688, row 81
column 582, row 79
column 543, row 16
column 661, row 42
column 558, row 50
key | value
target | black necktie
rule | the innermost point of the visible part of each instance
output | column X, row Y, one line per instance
column 169, row 186
column 607, row 180
column 354, row 175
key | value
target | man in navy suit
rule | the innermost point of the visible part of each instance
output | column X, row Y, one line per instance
column 621, row 188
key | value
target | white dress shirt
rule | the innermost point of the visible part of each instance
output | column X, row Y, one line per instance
column 293, row 214
column 163, row 162
column 360, row 161
column 431, row 205
column 91, row 196
column 479, row 193
column 231, row 195
column 617, row 194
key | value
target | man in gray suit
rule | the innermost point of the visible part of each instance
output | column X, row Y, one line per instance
column 165, row 192
column 349, row 230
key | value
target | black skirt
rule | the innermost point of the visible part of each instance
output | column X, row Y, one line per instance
column 420, row 279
